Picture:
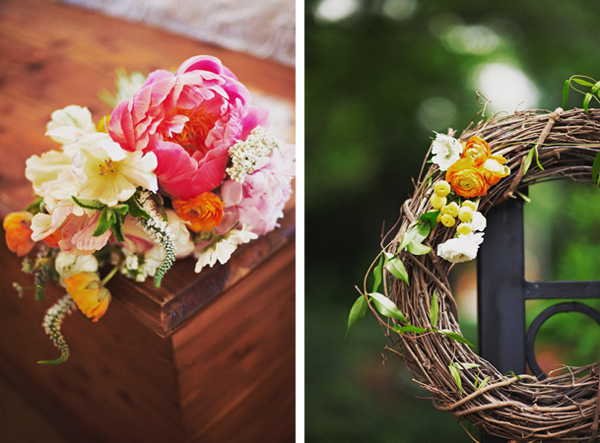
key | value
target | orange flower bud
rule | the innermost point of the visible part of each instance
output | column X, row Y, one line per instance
column 89, row 293
column 476, row 150
column 53, row 239
column 18, row 232
column 495, row 169
column 466, row 180
column 203, row 212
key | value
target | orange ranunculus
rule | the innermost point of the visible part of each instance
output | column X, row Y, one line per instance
column 89, row 293
column 494, row 169
column 477, row 150
column 203, row 212
column 467, row 180
column 18, row 232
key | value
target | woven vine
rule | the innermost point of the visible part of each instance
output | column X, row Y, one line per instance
column 563, row 407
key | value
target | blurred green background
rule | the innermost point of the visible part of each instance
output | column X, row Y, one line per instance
column 380, row 76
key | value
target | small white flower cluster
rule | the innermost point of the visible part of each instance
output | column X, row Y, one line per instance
column 141, row 266
column 245, row 154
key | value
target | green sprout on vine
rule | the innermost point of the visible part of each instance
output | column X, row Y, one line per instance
column 580, row 80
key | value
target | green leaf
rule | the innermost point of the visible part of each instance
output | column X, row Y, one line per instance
column 456, row 376
column 467, row 365
column 104, row 222
column 417, row 248
column 378, row 275
column 596, row 169
column 412, row 328
column 120, row 209
column 395, row 267
column 583, row 82
column 528, row 160
column 586, row 101
column 408, row 237
column 387, row 307
column 566, row 85
column 537, row 158
column 135, row 209
column 518, row 377
column 358, row 311
column 430, row 217
column 434, row 310
column 483, row 383
column 89, row 203
column 117, row 227
column 454, row 336
column 595, row 88
column 423, row 230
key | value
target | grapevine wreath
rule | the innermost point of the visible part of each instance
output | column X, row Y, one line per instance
column 443, row 223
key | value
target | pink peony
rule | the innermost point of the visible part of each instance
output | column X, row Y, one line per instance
column 189, row 119
column 258, row 202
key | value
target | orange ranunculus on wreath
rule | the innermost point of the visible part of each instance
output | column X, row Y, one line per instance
column 442, row 224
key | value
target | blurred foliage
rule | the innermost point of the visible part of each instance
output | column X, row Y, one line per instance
column 377, row 83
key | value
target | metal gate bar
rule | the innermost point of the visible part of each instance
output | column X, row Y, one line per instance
column 502, row 291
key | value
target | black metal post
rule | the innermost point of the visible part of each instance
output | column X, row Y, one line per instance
column 501, row 297
column 502, row 292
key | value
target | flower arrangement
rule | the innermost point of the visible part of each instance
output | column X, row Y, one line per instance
column 183, row 166
column 442, row 224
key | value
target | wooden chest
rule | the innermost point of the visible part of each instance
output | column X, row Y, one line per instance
column 207, row 357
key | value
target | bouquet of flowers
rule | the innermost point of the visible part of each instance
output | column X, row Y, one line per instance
column 183, row 166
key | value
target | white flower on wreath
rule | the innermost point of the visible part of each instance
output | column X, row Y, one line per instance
column 446, row 150
column 462, row 248
column 478, row 222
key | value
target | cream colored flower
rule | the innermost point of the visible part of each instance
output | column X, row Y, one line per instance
column 108, row 173
column 181, row 235
column 221, row 251
column 44, row 169
column 460, row 249
column 70, row 264
column 69, row 124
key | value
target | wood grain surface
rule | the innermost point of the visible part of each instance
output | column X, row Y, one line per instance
column 205, row 358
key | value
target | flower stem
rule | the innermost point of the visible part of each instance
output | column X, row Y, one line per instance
column 112, row 272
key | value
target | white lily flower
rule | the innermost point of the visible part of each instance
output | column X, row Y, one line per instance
column 108, row 173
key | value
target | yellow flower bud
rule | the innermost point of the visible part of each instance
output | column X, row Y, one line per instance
column 451, row 209
column 465, row 214
column 464, row 229
column 470, row 204
column 447, row 220
column 438, row 202
column 442, row 188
